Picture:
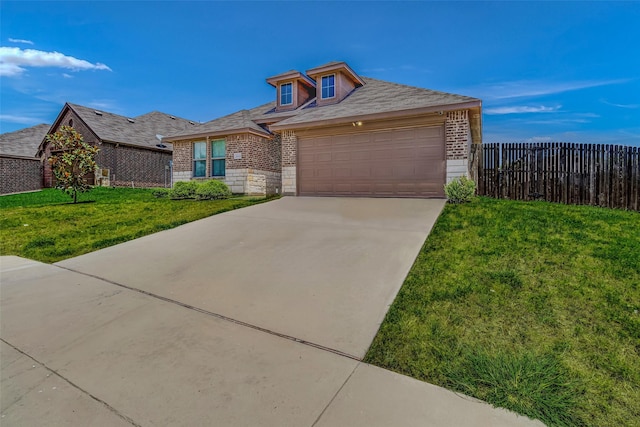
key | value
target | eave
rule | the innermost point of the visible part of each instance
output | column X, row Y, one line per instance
column 225, row 132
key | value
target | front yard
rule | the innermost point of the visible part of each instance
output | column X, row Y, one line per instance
column 44, row 226
column 530, row 306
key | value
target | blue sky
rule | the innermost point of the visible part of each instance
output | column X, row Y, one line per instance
column 546, row 71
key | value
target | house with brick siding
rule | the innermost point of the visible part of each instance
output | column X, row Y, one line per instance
column 20, row 169
column 331, row 132
column 131, row 151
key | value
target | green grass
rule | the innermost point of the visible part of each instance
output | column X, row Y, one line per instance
column 46, row 227
column 530, row 306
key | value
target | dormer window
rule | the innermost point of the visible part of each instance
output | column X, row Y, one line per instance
column 328, row 86
column 286, row 94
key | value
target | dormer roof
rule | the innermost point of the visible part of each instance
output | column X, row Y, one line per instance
column 336, row 66
column 291, row 75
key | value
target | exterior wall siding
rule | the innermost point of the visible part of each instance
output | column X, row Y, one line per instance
column 289, row 161
column 127, row 165
column 289, row 187
column 252, row 163
column 19, row 174
column 253, row 182
column 458, row 141
column 457, row 168
column 87, row 135
column 457, row 134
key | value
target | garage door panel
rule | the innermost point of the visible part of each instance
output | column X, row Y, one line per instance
column 393, row 163
column 342, row 172
column 360, row 172
column 324, row 172
column 341, row 156
column 383, row 172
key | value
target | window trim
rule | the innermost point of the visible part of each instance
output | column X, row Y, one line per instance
column 322, row 86
column 290, row 84
column 223, row 158
column 194, row 159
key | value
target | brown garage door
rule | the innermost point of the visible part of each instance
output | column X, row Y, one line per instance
column 390, row 163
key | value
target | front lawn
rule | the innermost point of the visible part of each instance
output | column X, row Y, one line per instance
column 44, row 226
column 529, row 306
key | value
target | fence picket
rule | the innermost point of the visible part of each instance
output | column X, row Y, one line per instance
column 592, row 174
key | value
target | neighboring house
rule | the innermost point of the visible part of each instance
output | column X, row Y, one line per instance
column 131, row 151
column 331, row 132
column 20, row 169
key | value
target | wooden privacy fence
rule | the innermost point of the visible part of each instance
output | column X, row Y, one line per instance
column 585, row 174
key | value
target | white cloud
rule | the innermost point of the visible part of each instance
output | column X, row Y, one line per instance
column 13, row 61
column 23, row 120
column 67, row 76
column 23, row 41
column 631, row 106
column 533, row 88
column 521, row 109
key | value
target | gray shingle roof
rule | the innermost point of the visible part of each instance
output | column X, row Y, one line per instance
column 23, row 142
column 240, row 120
column 140, row 131
column 377, row 96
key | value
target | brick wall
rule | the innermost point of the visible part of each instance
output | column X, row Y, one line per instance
column 458, row 140
column 289, row 148
column 256, row 171
column 256, row 152
column 146, row 168
column 457, row 134
column 19, row 174
column 126, row 164
column 69, row 119
column 289, row 160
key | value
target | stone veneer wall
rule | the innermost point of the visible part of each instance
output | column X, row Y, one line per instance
column 458, row 140
column 253, row 181
column 289, row 159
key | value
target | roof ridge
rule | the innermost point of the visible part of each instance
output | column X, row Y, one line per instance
column 416, row 87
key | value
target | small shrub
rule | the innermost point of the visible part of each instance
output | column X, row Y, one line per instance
column 160, row 193
column 213, row 189
column 183, row 190
column 460, row 190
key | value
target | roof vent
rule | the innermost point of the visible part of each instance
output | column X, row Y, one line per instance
column 161, row 145
column 131, row 120
column 191, row 123
column 172, row 118
column 98, row 113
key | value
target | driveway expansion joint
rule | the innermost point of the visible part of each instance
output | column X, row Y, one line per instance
column 218, row 316
column 72, row 384
column 336, row 394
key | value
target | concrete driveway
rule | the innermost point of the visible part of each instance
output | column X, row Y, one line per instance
column 322, row 270
column 256, row 317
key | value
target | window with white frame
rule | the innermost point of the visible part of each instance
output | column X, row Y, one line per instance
column 286, row 94
column 218, row 155
column 328, row 86
column 199, row 159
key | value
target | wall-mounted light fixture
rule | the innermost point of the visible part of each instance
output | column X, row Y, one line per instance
column 354, row 124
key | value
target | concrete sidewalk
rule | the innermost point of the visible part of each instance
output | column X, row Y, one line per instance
column 78, row 350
